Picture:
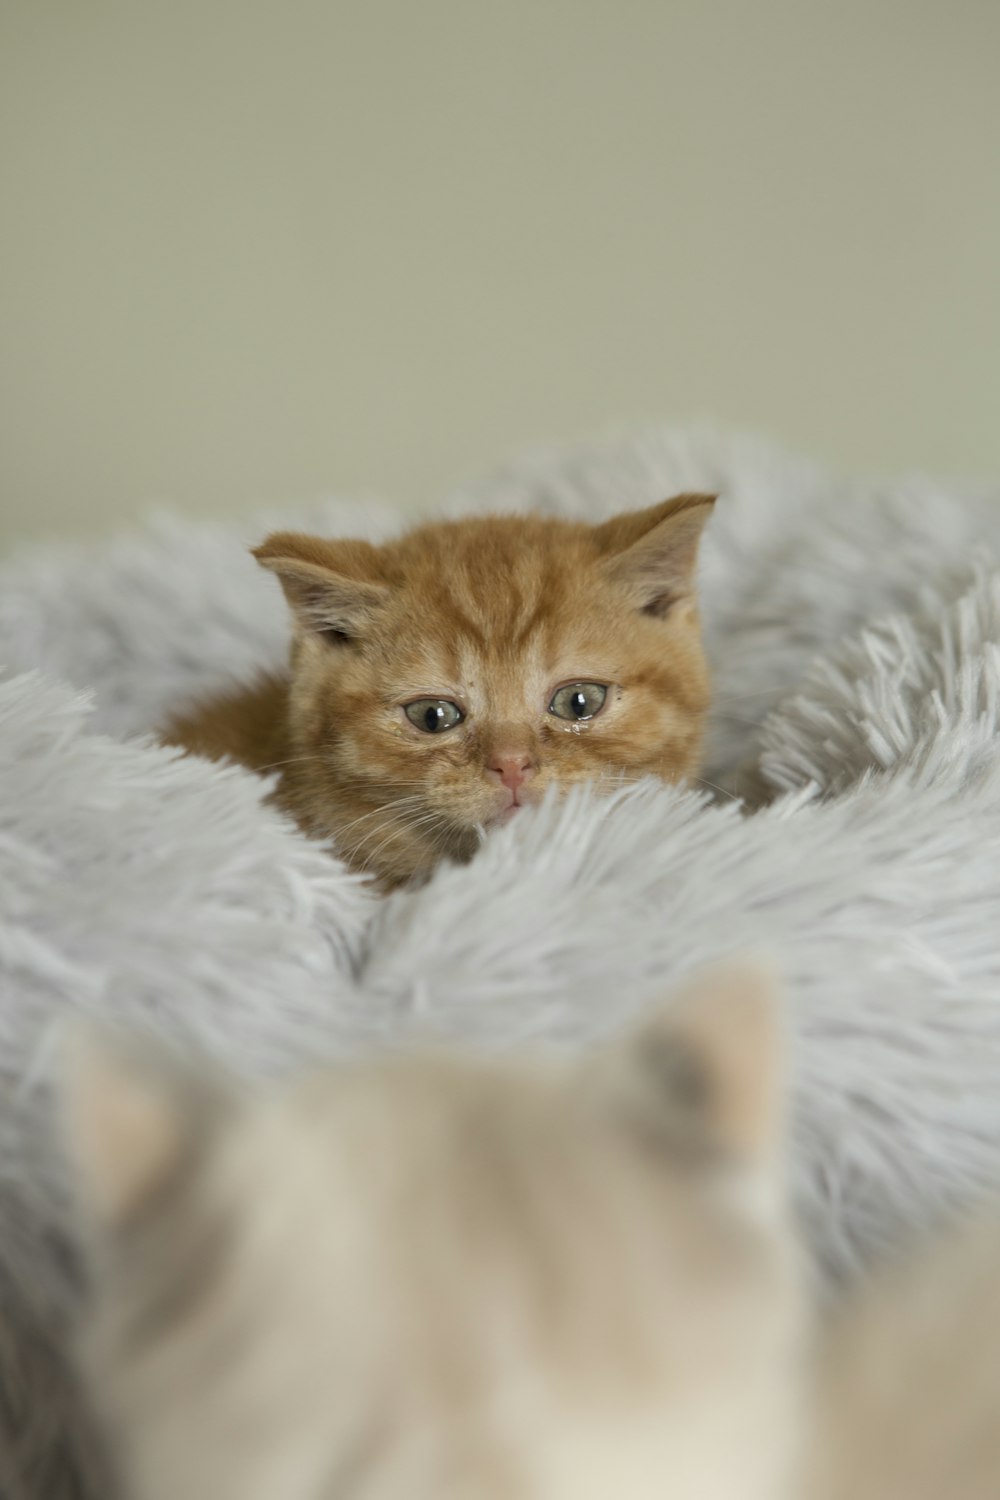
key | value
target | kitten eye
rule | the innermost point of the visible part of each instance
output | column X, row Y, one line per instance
column 433, row 715
column 578, row 700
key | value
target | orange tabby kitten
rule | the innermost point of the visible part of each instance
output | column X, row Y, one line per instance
column 443, row 680
column 435, row 1279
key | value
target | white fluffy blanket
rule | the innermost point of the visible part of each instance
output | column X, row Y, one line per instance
column 854, row 631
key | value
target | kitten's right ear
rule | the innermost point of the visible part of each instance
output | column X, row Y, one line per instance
column 705, row 1074
column 333, row 587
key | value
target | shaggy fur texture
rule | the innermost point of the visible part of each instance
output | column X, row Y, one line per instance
column 484, row 620
column 158, row 890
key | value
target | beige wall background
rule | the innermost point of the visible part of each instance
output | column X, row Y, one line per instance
column 262, row 250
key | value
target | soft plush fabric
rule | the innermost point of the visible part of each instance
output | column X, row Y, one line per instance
column 854, row 631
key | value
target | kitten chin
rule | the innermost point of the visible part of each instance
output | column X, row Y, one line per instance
column 443, row 680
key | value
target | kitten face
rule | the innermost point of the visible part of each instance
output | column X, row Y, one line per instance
column 435, row 1280
column 445, row 679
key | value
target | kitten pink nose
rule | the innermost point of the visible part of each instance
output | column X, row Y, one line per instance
column 512, row 770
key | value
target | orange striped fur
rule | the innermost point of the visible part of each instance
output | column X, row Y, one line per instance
column 492, row 614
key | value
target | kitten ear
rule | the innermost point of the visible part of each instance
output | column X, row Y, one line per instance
column 332, row 587
column 128, row 1122
column 705, row 1075
column 652, row 553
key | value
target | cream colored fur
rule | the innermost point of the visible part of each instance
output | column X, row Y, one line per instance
column 439, row 1280
column 909, row 1399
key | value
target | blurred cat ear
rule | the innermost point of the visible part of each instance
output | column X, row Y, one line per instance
column 652, row 553
column 332, row 587
column 705, row 1074
column 128, row 1123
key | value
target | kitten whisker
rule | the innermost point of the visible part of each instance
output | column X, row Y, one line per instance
column 703, row 781
column 296, row 760
column 391, row 813
column 374, row 853
column 430, row 819
column 384, row 807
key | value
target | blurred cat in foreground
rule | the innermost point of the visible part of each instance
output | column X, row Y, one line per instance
column 440, row 1279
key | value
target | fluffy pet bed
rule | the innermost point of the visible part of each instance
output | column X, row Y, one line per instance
column 854, row 631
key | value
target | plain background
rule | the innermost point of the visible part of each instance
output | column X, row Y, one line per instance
column 255, row 251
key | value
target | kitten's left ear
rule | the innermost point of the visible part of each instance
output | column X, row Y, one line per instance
column 652, row 553
column 333, row 587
